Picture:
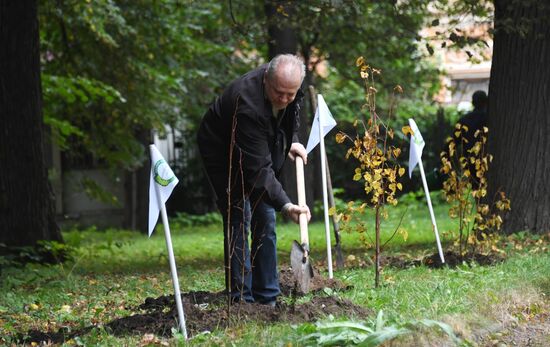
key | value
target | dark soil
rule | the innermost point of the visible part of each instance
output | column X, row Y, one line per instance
column 452, row 260
column 205, row 311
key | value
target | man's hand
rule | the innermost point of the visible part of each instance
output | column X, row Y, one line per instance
column 294, row 211
column 297, row 149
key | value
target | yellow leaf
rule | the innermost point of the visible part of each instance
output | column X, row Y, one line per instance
column 396, row 152
column 332, row 211
column 360, row 61
column 407, row 130
column 399, row 186
column 476, row 134
column 403, row 233
column 401, row 171
column 340, row 137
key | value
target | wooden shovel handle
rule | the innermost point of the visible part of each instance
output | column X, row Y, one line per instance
column 300, row 183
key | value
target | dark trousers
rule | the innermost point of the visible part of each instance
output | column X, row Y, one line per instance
column 253, row 274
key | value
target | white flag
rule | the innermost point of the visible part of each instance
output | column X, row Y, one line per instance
column 162, row 181
column 327, row 122
column 417, row 145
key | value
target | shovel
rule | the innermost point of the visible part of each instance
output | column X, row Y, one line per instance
column 299, row 255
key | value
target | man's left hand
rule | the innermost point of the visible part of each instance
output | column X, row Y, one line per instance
column 297, row 149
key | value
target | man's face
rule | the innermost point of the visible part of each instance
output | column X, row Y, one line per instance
column 281, row 89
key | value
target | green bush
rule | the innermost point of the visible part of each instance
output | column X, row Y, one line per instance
column 183, row 219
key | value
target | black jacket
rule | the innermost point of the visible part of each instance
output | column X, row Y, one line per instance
column 261, row 141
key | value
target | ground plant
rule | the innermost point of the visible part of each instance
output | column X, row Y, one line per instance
column 377, row 164
column 465, row 166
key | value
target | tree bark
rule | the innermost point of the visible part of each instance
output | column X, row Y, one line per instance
column 519, row 113
column 27, row 212
column 136, row 206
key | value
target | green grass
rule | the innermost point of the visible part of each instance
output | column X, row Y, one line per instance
column 115, row 270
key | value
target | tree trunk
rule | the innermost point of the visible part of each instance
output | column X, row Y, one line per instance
column 26, row 201
column 519, row 113
column 136, row 206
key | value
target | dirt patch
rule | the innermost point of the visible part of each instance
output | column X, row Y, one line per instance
column 206, row 317
column 452, row 260
column 205, row 311
column 318, row 283
column 533, row 333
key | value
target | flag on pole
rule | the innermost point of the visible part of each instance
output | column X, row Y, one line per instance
column 162, row 177
column 324, row 117
column 415, row 158
column 161, row 185
column 322, row 124
column 417, row 145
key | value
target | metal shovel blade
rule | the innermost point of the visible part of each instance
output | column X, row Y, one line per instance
column 302, row 269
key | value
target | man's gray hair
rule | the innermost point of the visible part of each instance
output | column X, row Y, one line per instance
column 288, row 60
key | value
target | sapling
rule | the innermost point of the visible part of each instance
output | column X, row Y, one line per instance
column 377, row 165
column 465, row 187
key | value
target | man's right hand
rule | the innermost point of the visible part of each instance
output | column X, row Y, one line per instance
column 294, row 211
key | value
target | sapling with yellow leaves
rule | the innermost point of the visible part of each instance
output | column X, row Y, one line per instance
column 465, row 166
column 377, row 166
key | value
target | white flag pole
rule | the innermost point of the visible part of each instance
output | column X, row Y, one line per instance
column 325, row 195
column 172, row 262
column 429, row 200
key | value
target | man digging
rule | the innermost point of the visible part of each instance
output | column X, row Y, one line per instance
column 244, row 139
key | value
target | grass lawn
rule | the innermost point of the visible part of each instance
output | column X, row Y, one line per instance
column 113, row 271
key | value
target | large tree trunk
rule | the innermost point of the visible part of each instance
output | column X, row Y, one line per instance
column 26, row 200
column 519, row 113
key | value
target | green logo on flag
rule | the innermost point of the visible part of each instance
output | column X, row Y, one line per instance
column 418, row 141
column 156, row 176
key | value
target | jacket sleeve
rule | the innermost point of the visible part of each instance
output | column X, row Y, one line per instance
column 252, row 154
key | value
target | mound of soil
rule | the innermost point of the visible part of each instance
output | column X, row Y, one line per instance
column 205, row 311
column 207, row 316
